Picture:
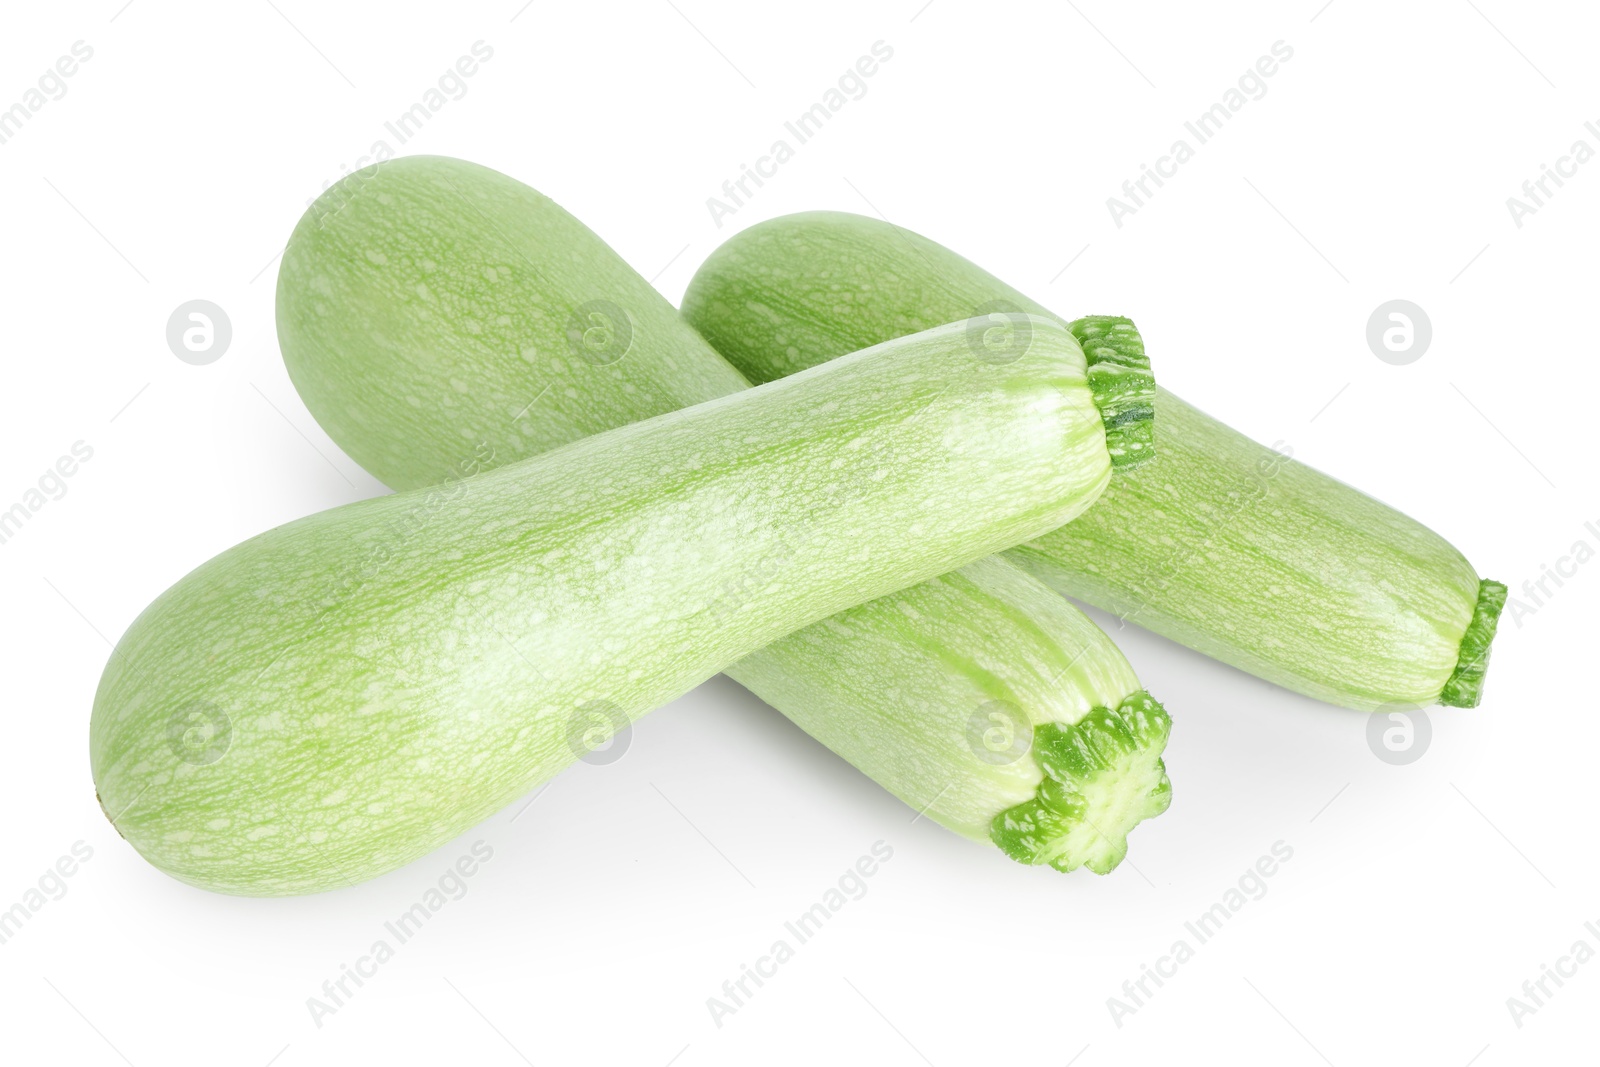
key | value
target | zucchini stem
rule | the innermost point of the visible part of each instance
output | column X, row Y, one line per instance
column 1465, row 686
column 1103, row 775
column 1123, row 387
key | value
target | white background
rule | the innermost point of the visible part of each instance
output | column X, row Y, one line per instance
column 1377, row 166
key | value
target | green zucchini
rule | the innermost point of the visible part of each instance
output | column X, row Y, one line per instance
column 447, row 306
column 1219, row 543
column 335, row 697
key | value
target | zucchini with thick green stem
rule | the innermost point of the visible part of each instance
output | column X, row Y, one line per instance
column 446, row 303
column 1218, row 543
column 392, row 671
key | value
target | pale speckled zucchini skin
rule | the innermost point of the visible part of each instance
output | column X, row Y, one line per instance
column 909, row 687
column 904, row 687
column 480, row 299
column 924, row 667
column 396, row 669
column 1218, row 543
